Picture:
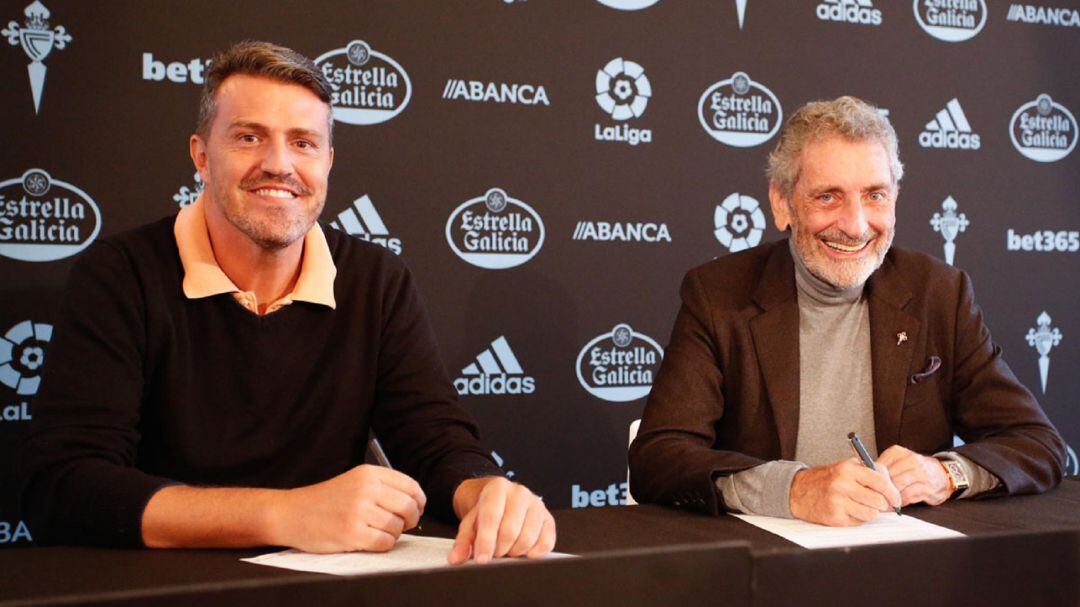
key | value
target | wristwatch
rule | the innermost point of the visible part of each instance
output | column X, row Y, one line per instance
column 958, row 479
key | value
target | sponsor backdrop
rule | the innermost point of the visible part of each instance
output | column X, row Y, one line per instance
column 550, row 170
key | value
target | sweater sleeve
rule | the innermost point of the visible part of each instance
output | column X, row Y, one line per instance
column 426, row 433
column 79, row 481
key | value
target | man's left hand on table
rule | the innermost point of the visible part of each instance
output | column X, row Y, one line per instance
column 500, row 518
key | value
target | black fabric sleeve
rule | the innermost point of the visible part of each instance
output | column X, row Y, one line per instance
column 79, row 481
column 417, row 418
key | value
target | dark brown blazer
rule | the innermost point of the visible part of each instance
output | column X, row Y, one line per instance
column 726, row 397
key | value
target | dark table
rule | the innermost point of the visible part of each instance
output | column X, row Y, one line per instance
column 1019, row 551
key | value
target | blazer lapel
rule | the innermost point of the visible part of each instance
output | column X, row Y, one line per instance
column 893, row 334
column 776, row 341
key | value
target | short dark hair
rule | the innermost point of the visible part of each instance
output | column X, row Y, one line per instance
column 265, row 59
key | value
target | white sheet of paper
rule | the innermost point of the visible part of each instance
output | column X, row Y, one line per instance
column 410, row 552
column 885, row 529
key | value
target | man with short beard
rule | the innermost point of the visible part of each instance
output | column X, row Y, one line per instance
column 215, row 375
column 781, row 351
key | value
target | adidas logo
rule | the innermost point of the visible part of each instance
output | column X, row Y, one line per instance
column 950, row 129
column 849, row 11
column 496, row 371
column 363, row 221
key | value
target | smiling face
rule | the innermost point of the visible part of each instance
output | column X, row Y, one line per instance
column 265, row 160
column 842, row 210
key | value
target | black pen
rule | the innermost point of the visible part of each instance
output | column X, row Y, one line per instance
column 861, row 453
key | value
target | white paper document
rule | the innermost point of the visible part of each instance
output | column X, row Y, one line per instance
column 885, row 529
column 410, row 552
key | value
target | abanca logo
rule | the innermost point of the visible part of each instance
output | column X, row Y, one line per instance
column 619, row 366
column 628, row 5
column 364, row 222
column 739, row 222
column 36, row 228
column 496, row 371
column 739, row 112
column 1043, row 130
column 951, row 20
column 22, row 355
column 495, row 231
column 368, row 87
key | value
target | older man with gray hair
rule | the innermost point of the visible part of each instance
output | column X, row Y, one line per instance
column 780, row 352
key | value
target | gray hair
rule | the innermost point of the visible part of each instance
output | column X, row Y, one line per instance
column 265, row 59
column 847, row 117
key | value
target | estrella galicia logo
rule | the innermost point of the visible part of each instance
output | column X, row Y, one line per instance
column 37, row 40
column 367, row 87
column 739, row 112
column 628, row 5
column 949, row 223
column 739, row 222
column 495, row 231
column 1043, row 130
column 364, row 222
column 22, row 355
column 1043, row 339
column 1072, row 464
column 619, row 366
column 951, row 20
column 45, row 219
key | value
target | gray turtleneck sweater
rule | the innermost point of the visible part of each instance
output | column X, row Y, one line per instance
column 835, row 398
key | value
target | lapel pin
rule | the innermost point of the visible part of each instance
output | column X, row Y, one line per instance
column 901, row 337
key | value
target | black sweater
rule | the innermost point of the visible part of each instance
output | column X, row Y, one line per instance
column 144, row 388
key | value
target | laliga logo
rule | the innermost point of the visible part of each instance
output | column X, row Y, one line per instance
column 37, row 42
column 1043, row 130
column 34, row 228
column 739, row 222
column 628, row 5
column 188, row 195
column 619, row 366
column 949, row 224
column 739, row 112
column 368, row 87
column 495, row 231
column 22, row 354
column 622, row 89
column 1042, row 339
column 1072, row 465
column 951, row 20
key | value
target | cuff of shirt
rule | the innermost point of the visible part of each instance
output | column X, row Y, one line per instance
column 763, row 489
column 980, row 480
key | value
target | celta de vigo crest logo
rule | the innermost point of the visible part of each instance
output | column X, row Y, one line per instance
column 628, row 5
column 45, row 219
column 188, row 195
column 949, row 223
column 37, row 40
column 1042, row 339
column 495, row 231
column 951, row 20
column 1043, row 130
column 22, row 355
column 739, row 112
column 619, row 366
column 367, row 87
column 739, row 222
